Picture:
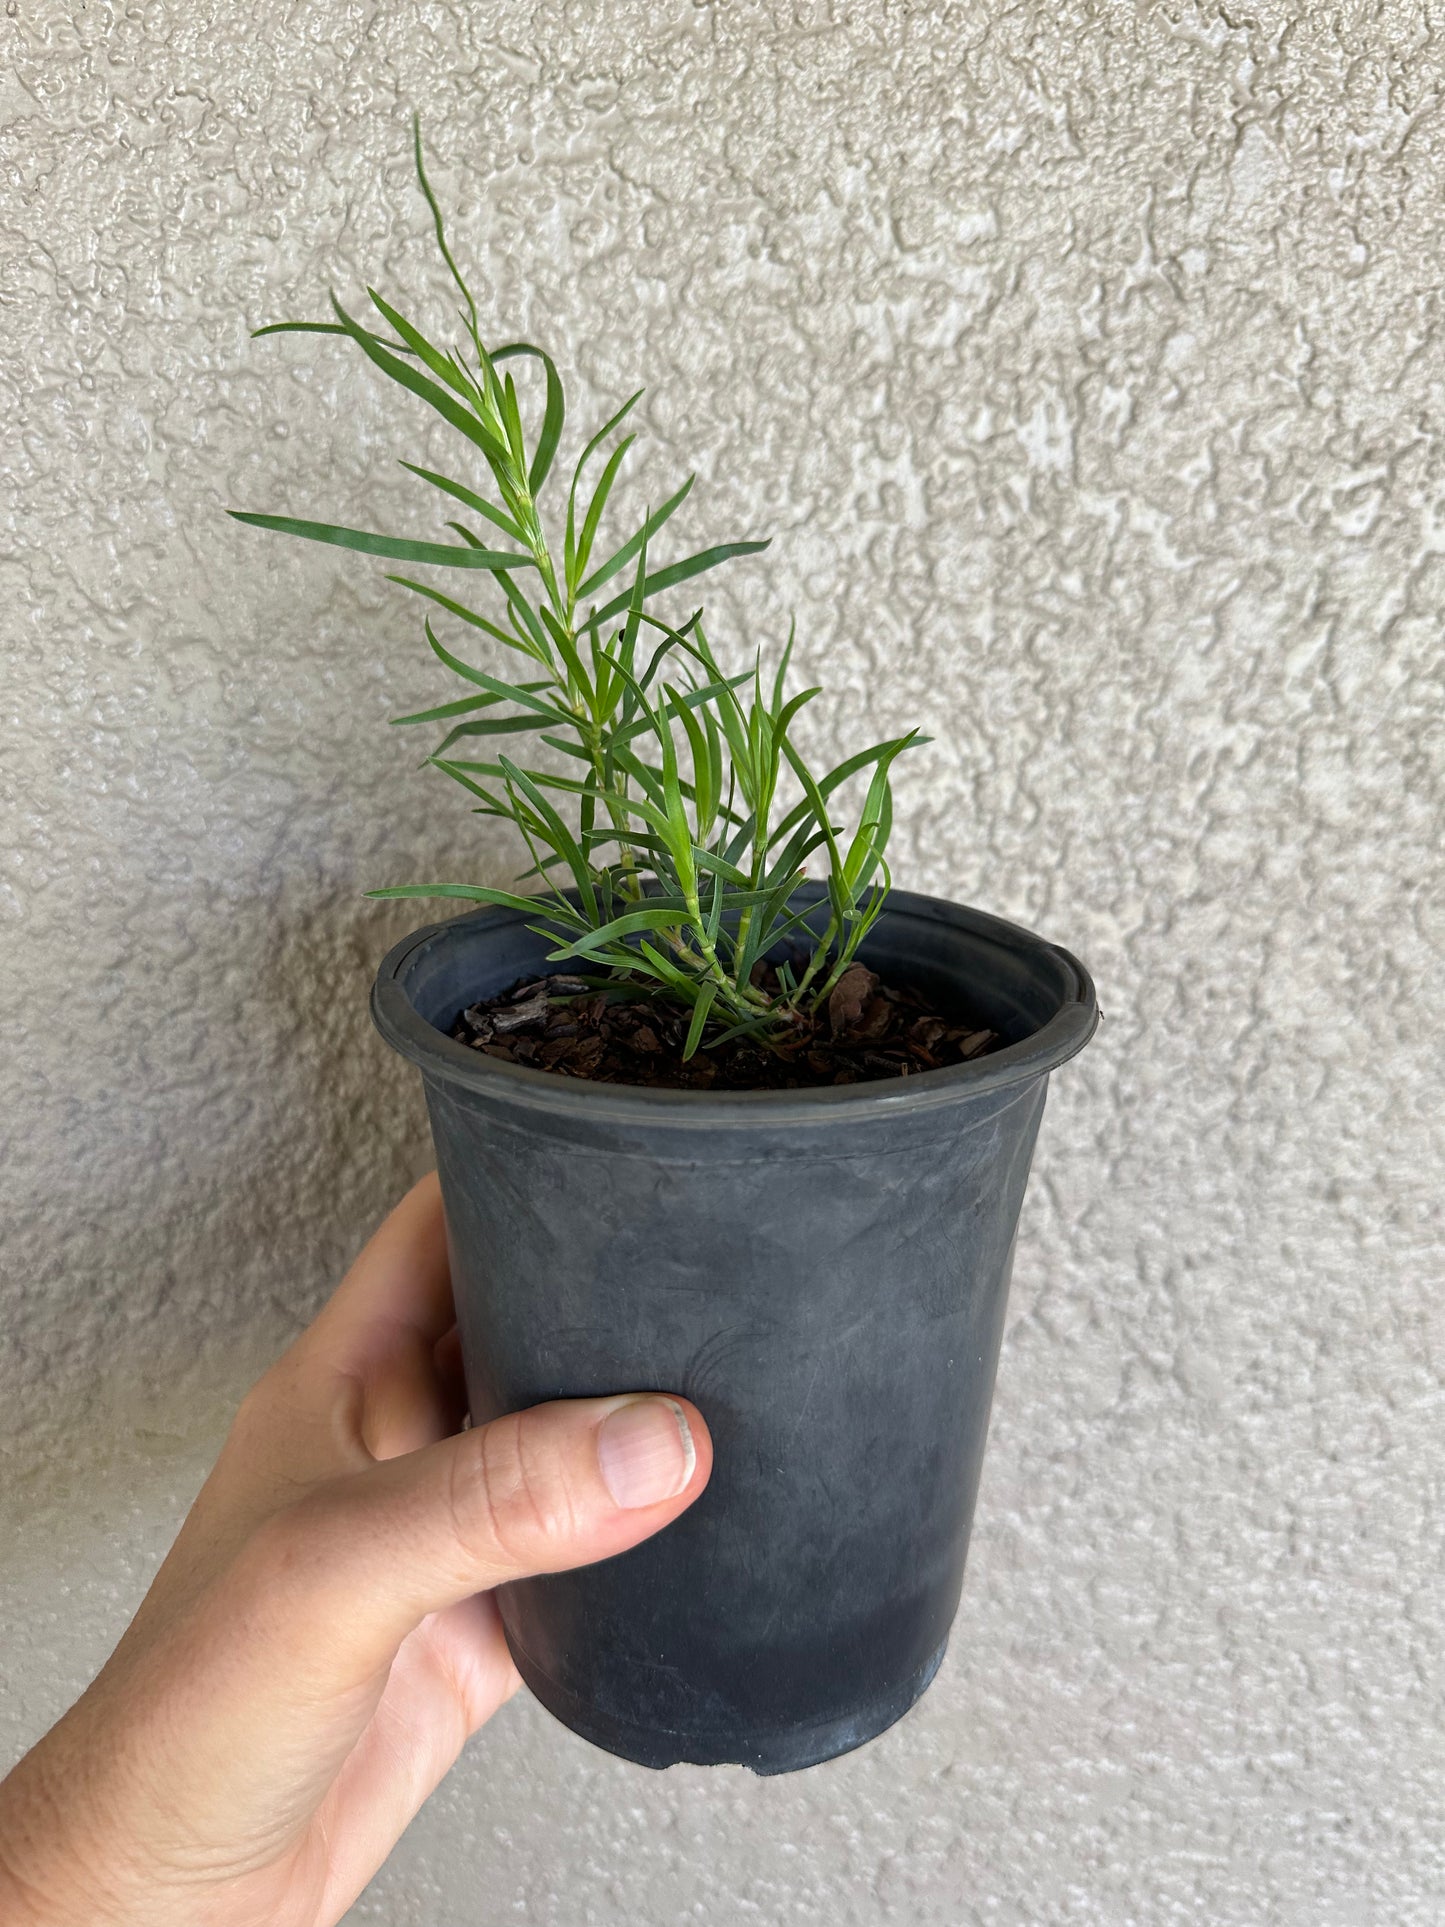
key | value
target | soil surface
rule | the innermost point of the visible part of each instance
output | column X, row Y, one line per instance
column 610, row 1034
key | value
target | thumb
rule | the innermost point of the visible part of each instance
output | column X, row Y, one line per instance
column 364, row 1559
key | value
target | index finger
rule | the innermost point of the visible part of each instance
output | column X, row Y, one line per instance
column 401, row 1278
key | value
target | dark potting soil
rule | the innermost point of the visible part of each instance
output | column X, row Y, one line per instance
column 865, row 1032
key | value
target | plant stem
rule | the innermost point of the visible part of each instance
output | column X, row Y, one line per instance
column 819, row 957
column 736, row 996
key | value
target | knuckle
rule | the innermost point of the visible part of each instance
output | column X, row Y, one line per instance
column 508, row 1502
column 270, row 1553
column 269, row 1406
column 254, row 1415
column 282, row 1549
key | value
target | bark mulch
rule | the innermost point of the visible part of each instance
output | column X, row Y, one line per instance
column 867, row 1031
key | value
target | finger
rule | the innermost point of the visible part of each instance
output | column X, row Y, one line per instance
column 358, row 1384
column 448, row 1679
column 405, row 1402
column 266, row 1686
column 401, row 1277
column 451, row 1376
column 340, row 1579
column 383, row 1326
column 413, row 1393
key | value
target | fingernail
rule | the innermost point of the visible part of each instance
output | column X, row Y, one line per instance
column 645, row 1451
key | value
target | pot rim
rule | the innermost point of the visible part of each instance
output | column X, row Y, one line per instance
column 515, row 1085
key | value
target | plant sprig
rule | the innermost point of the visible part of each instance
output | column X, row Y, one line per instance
column 666, row 856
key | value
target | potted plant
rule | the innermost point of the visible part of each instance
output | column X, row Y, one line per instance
column 703, row 1124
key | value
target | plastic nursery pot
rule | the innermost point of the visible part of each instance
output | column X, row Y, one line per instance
column 822, row 1272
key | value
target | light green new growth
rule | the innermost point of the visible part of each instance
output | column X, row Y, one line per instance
column 666, row 858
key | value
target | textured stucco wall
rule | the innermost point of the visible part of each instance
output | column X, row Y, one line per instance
column 1086, row 362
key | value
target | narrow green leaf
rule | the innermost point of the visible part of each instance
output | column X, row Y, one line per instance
column 795, row 853
column 567, row 785
column 873, row 830
column 780, row 680
column 607, row 685
column 567, row 650
column 698, row 1025
column 717, row 763
column 628, row 645
column 704, row 776
column 595, row 507
column 719, row 866
column 568, row 749
column 492, row 726
column 468, row 892
column 512, row 422
column 613, row 421
column 635, row 806
column 624, row 926
column 748, row 1027
column 682, row 572
column 667, row 970
column 816, row 801
column 835, row 777
column 770, row 928
column 446, row 253
column 633, row 543
column 573, row 565
column 721, row 898
column 526, row 618
column 441, row 555
column 407, row 377
column 518, row 693
column 490, row 805
column 743, row 840
column 557, row 832
column 322, row 328
column 444, row 712
column 469, row 498
column 444, row 367
column 553, row 415
column 790, row 709
column 691, row 700
column 460, row 609
column 674, row 639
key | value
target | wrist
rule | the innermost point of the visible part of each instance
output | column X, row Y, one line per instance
column 46, row 1877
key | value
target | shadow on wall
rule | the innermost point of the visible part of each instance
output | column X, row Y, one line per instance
column 223, row 1167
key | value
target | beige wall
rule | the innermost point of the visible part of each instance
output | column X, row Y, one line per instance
column 1086, row 363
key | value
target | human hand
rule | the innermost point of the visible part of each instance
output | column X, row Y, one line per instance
column 319, row 1644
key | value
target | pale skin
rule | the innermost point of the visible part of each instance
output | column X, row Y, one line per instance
column 321, row 1642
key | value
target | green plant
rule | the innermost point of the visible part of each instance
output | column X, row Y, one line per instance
column 674, row 834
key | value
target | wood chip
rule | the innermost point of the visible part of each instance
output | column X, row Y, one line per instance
column 868, row 1031
column 848, row 997
column 876, row 1021
column 517, row 1016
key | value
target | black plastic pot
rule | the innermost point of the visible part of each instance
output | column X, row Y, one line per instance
column 823, row 1273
